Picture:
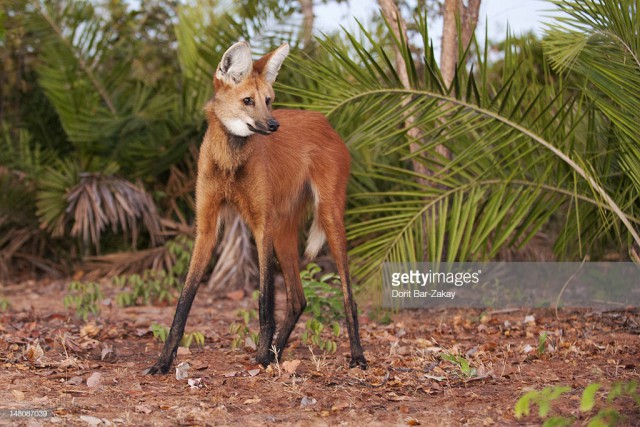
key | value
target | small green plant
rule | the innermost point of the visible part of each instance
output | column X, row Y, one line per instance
column 189, row 338
column 4, row 304
column 156, row 286
column 84, row 298
column 607, row 416
column 542, row 343
column 542, row 398
column 240, row 330
column 323, row 294
column 149, row 288
column 313, row 335
column 162, row 332
column 381, row 315
column 180, row 249
column 462, row 364
column 324, row 302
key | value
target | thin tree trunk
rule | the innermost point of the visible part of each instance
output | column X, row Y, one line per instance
column 449, row 46
column 468, row 16
column 469, row 20
column 392, row 15
column 308, row 18
column 448, row 61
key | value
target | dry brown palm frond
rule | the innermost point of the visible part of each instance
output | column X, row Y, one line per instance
column 22, row 249
column 98, row 201
column 172, row 257
column 115, row 264
column 180, row 187
column 236, row 266
column 171, row 228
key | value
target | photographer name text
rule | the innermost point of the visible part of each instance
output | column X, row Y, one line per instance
column 417, row 293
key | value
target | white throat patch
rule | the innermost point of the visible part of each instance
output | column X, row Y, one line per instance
column 237, row 127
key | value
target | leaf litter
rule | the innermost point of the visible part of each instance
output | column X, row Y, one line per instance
column 424, row 365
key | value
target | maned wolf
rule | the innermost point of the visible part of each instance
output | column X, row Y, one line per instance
column 270, row 178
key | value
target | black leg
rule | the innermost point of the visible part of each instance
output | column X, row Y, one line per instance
column 334, row 228
column 286, row 247
column 199, row 259
column 264, row 355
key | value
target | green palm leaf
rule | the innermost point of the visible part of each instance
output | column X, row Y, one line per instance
column 517, row 156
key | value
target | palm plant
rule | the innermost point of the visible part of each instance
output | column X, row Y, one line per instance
column 522, row 155
column 23, row 245
column 123, row 124
column 597, row 41
column 130, row 111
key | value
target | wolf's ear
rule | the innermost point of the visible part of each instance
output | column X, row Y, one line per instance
column 274, row 61
column 236, row 64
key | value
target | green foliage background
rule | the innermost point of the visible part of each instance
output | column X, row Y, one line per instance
column 101, row 111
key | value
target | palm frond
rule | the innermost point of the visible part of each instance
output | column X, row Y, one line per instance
column 83, row 205
column 518, row 160
column 598, row 40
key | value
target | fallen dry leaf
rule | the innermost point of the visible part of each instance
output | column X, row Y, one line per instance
column 236, row 295
column 90, row 330
column 195, row 382
column 107, row 350
column 395, row 398
column 290, row 366
column 250, row 344
column 340, row 406
column 93, row 421
column 307, row 401
column 89, row 344
column 33, row 353
column 182, row 371
column 253, row 372
column 74, row 380
column 183, row 351
column 69, row 362
column 18, row 395
column 142, row 409
column 94, row 380
column 252, row 401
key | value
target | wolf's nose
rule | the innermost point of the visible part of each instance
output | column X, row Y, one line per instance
column 273, row 125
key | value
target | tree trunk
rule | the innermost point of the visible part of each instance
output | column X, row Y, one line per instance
column 448, row 61
column 392, row 15
column 308, row 18
column 468, row 16
column 469, row 20
column 449, row 45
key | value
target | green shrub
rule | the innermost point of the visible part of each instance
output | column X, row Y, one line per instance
column 84, row 298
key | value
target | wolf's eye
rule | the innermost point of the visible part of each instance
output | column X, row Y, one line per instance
column 268, row 101
column 248, row 101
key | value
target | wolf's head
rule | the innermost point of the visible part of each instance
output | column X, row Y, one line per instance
column 244, row 92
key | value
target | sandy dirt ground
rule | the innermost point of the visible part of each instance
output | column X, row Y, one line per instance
column 91, row 373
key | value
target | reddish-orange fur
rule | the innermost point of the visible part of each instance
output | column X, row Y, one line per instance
column 270, row 179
